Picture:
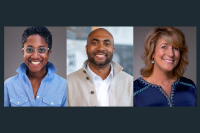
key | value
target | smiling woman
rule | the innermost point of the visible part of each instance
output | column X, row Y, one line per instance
column 165, row 58
column 36, row 84
column 35, row 59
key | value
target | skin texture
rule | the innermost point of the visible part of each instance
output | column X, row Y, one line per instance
column 166, row 58
column 100, row 49
column 36, row 72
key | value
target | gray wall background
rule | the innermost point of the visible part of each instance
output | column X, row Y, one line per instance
column 13, row 56
column 190, row 35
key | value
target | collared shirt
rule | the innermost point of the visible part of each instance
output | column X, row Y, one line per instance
column 101, row 86
column 52, row 91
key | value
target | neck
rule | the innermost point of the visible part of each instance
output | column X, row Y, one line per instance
column 37, row 75
column 102, row 71
column 161, row 77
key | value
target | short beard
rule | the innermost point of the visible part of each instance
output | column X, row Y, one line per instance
column 107, row 61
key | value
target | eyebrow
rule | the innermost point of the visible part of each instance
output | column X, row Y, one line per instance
column 106, row 40
column 32, row 46
column 164, row 43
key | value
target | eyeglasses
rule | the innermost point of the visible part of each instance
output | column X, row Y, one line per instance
column 30, row 50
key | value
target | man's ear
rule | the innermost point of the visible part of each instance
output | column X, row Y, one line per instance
column 113, row 49
column 86, row 48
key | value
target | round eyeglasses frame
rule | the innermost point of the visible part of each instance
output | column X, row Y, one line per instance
column 47, row 49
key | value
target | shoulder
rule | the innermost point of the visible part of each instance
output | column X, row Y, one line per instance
column 12, row 82
column 123, row 78
column 76, row 75
column 139, row 84
column 12, row 79
column 59, row 78
column 137, row 80
column 187, row 82
column 123, row 74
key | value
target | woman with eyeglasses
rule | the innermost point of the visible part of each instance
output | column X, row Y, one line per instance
column 162, row 82
column 36, row 84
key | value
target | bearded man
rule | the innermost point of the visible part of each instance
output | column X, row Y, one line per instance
column 100, row 82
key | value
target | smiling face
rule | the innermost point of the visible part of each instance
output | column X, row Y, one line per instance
column 166, row 57
column 36, row 62
column 100, row 47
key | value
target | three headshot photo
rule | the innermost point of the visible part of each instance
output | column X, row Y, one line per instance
column 99, row 66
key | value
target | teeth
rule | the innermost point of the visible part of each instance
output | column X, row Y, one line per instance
column 35, row 62
column 170, row 61
column 100, row 55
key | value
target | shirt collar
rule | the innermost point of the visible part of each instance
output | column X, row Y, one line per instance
column 116, row 67
column 23, row 68
column 93, row 75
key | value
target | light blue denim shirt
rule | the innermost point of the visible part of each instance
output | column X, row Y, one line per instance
column 52, row 91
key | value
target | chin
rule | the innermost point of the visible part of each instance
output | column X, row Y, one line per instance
column 168, row 69
column 34, row 70
column 102, row 63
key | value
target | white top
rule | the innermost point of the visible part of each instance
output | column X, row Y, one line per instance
column 101, row 86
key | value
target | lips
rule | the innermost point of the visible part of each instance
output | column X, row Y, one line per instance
column 100, row 55
column 169, row 60
column 35, row 63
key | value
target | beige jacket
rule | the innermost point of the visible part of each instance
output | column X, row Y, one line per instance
column 81, row 89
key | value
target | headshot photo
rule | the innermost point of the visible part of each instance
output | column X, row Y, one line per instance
column 35, row 66
column 100, row 66
column 164, row 66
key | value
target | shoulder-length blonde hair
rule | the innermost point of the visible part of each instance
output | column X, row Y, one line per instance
column 172, row 36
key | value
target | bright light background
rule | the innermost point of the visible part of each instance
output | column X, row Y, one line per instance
column 77, row 40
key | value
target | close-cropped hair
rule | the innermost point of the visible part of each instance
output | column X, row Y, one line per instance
column 38, row 30
column 172, row 36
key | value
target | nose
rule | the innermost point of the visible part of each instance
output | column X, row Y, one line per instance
column 171, row 52
column 35, row 54
column 101, row 46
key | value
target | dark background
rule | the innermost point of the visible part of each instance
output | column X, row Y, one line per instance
column 114, row 13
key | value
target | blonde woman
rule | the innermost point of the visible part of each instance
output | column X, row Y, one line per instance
column 162, row 82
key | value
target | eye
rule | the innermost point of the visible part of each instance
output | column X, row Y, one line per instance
column 29, row 50
column 107, row 44
column 164, row 47
column 94, row 43
column 41, row 50
column 176, row 49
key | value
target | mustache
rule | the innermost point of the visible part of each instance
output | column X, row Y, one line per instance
column 100, row 52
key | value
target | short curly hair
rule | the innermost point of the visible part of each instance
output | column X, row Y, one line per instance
column 40, row 30
column 172, row 36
